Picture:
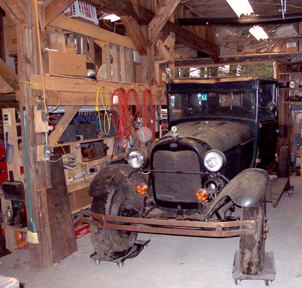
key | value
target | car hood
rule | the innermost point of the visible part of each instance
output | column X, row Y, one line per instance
column 220, row 135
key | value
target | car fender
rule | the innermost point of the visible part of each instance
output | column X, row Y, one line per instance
column 114, row 177
column 247, row 189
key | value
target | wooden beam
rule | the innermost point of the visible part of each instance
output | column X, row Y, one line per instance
column 161, row 18
column 83, row 91
column 54, row 9
column 4, row 87
column 15, row 9
column 135, row 33
column 8, row 75
column 144, row 16
column 91, row 30
column 163, row 51
column 70, row 112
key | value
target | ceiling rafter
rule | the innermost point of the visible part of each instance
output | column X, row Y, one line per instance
column 15, row 9
column 161, row 18
column 144, row 16
column 135, row 33
column 55, row 8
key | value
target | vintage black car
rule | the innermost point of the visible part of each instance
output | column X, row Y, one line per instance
column 197, row 174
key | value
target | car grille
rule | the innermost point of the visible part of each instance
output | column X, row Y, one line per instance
column 176, row 187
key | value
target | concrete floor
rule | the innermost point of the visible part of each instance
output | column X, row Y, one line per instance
column 175, row 261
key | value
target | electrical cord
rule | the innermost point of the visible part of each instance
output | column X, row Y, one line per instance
column 58, row 145
column 106, row 104
column 39, row 85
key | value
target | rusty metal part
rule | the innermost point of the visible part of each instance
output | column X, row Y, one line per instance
column 172, row 227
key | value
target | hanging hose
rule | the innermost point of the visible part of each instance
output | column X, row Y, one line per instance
column 122, row 124
column 148, row 114
column 106, row 104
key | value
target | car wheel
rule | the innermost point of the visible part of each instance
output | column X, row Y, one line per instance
column 252, row 247
column 111, row 244
column 283, row 162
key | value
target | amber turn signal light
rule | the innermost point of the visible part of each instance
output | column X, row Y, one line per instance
column 202, row 195
column 142, row 188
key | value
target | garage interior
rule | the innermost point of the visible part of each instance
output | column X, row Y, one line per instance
column 67, row 67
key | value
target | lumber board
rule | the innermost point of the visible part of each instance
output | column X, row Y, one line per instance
column 83, row 91
column 70, row 112
column 91, row 30
column 66, row 239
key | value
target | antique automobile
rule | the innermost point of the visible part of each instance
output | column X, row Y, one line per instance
column 208, row 166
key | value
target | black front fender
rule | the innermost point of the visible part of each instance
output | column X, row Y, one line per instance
column 247, row 189
column 117, row 177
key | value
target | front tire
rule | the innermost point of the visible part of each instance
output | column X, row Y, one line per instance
column 252, row 248
column 111, row 244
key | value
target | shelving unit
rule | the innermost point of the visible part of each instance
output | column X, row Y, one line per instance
column 11, row 127
column 291, row 112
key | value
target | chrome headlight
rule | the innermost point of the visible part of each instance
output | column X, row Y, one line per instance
column 137, row 158
column 214, row 160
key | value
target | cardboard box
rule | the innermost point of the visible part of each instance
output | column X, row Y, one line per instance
column 10, row 31
column 291, row 47
column 81, row 230
column 79, row 199
column 62, row 63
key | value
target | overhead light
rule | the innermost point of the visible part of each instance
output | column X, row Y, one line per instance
column 111, row 17
column 241, row 7
column 258, row 32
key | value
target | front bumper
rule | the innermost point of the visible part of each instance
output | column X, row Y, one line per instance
column 171, row 227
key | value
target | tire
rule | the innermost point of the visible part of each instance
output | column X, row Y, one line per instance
column 283, row 162
column 252, row 248
column 111, row 244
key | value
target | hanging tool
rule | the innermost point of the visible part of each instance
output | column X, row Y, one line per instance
column 32, row 235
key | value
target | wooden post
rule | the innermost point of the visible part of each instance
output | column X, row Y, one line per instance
column 39, row 172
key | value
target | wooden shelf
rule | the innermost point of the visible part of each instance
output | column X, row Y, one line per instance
column 15, row 228
column 83, row 141
column 291, row 73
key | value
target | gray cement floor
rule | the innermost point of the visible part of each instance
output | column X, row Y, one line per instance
column 175, row 261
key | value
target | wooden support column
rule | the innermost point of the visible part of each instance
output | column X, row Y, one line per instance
column 41, row 254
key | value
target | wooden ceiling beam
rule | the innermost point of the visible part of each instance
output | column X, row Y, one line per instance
column 8, row 75
column 91, row 30
column 161, row 18
column 15, row 9
column 54, row 9
column 144, row 16
column 135, row 33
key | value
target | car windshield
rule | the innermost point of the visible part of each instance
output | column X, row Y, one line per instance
column 218, row 104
